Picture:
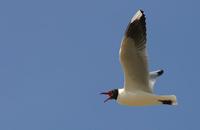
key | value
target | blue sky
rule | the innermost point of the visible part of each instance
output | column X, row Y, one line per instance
column 57, row 56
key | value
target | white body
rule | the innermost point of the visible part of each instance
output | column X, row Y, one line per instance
column 140, row 98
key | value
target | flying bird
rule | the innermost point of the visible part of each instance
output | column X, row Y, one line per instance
column 138, row 81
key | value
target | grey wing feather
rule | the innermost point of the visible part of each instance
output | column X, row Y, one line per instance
column 136, row 30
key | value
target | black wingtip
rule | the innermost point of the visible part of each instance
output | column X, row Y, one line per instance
column 139, row 16
column 137, row 29
column 141, row 11
column 166, row 102
column 160, row 72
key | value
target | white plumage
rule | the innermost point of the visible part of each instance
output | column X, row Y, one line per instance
column 138, row 82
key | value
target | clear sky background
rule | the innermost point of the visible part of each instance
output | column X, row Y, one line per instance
column 57, row 56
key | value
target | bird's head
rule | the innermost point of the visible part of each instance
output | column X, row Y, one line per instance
column 111, row 94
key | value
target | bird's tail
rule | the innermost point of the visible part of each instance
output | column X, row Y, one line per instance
column 168, row 100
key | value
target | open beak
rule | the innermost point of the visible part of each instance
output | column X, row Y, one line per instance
column 109, row 94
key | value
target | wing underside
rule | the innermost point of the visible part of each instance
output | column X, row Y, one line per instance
column 133, row 55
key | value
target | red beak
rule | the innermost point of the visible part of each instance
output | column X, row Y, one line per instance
column 109, row 94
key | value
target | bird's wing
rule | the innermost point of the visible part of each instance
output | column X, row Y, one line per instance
column 133, row 55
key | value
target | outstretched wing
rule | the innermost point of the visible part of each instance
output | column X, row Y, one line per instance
column 133, row 55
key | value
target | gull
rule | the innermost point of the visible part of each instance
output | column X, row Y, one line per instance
column 138, row 81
